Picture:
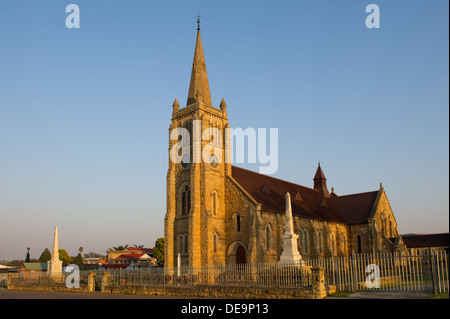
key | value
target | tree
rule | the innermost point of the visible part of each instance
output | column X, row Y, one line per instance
column 78, row 260
column 93, row 255
column 158, row 251
column 45, row 256
column 64, row 256
column 121, row 247
column 27, row 258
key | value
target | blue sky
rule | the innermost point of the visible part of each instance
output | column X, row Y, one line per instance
column 84, row 113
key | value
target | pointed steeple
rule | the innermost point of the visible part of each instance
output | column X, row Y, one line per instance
column 320, row 182
column 199, row 86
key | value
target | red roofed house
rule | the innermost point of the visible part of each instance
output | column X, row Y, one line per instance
column 137, row 259
column 220, row 214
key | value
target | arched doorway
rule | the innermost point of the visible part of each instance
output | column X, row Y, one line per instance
column 241, row 257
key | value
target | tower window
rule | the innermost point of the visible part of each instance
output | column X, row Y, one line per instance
column 186, row 201
column 358, row 239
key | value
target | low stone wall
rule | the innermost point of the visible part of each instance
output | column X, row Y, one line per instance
column 214, row 291
column 47, row 287
column 317, row 291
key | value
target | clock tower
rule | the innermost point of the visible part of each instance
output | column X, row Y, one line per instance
column 195, row 217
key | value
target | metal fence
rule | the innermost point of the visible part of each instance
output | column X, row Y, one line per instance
column 260, row 274
column 42, row 278
column 384, row 271
column 387, row 271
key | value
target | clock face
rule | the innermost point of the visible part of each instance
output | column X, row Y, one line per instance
column 186, row 161
column 213, row 160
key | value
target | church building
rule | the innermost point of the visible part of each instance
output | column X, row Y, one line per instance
column 219, row 214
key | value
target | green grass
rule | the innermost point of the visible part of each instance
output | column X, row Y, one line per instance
column 439, row 296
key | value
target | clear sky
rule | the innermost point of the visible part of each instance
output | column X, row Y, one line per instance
column 84, row 113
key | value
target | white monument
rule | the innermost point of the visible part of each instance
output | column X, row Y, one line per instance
column 290, row 254
column 54, row 266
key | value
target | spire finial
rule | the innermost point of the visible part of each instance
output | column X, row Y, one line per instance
column 198, row 21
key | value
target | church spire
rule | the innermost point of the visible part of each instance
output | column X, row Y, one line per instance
column 199, row 86
column 320, row 182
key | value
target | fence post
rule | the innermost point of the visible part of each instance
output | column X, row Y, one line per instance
column 433, row 271
column 318, row 284
column 354, row 277
column 91, row 281
column 105, row 278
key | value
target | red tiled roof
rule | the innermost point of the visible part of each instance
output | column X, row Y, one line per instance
column 349, row 209
column 355, row 208
column 426, row 240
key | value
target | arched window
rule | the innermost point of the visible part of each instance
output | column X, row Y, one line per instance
column 215, row 242
column 301, row 245
column 238, row 222
column 268, row 237
column 186, row 243
column 333, row 244
column 306, row 232
column 215, row 202
column 358, row 243
column 186, row 201
column 320, row 242
column 183, row 204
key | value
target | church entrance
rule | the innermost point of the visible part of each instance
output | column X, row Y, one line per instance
column 241, row 257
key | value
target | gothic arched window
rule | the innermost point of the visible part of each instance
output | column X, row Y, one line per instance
column 306, row 244
column 215, row 242
column 358, row 242
column 183, row 203
column 320, row 242
column 186, row 201
column 238, row 222
column 215, row 202
column 268, row 237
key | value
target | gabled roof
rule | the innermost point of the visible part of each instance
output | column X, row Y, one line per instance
column 310, row 203
column 426, row 240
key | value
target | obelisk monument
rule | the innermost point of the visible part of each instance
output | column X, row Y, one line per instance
column 290, row 254
column 54, row 266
